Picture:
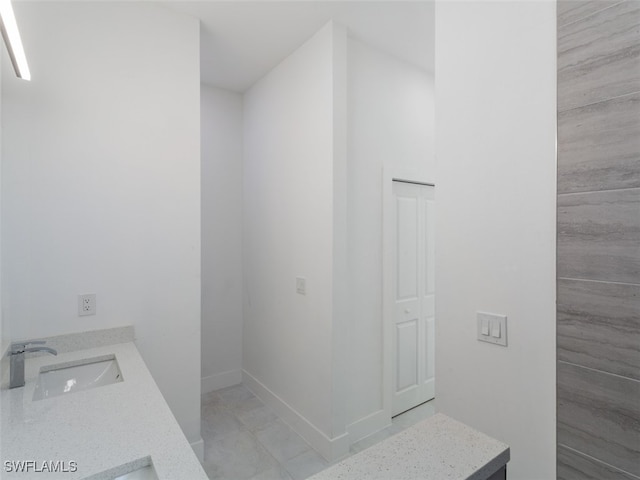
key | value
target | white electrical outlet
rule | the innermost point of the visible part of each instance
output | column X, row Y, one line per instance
column 301, row 285
column 86, row 304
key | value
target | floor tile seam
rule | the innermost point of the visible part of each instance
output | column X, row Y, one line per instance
column 282, row 464
column 220, row 436
column 237, row 413
column 272, row 464
column 287, row 470
column 218, row 405
column 268, row 424
column 266, row 450
column 299, row 455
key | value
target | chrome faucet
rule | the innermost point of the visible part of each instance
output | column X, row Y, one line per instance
column 16, row 355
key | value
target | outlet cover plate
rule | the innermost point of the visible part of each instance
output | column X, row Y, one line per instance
column 86, row 304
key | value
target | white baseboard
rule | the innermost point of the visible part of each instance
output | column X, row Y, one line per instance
column 368, row 425
column 331, row 449
column 221, row 380
column 198, row 449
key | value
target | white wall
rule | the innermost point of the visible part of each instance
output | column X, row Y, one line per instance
column 221, row 181
column 391, row 125
column 4, row 326
column 495, row 233
column 288, row 230
column 315, row 147
column 101, row 183
column 4, row 330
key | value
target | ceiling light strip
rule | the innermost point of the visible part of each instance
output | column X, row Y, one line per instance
column 11, row 36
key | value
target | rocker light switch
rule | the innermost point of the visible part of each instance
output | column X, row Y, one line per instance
column 495, row 329
column 485, row 327
column 492, row 328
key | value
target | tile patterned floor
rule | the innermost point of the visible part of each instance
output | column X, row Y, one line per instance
column 245, row 440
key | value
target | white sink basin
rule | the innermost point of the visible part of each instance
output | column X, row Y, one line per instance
column 63, row 379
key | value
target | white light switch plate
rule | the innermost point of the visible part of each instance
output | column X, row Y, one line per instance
column 492, row 328
column 301, row 285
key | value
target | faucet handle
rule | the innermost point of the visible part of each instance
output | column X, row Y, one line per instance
column 19, row 347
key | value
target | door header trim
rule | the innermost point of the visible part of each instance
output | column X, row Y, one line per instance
column 413, row 182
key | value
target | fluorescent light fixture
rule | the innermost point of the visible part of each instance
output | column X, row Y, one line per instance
column 12, row 39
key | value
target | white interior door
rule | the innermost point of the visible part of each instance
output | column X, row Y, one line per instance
column 414, row 296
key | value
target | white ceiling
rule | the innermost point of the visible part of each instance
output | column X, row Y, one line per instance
column 242, row 40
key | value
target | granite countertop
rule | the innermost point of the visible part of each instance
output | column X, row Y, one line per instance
column 107, row 431
column 438, row 448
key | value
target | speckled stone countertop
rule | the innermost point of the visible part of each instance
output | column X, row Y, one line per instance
column 438, row 448
column 107, row 431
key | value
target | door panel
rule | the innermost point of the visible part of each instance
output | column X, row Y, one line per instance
column 430, row 245
column 407, row 251
column 431, row 344
column 407, row 346
column 414, row 289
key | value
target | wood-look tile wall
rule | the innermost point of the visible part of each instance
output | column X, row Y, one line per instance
column 598, row 311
